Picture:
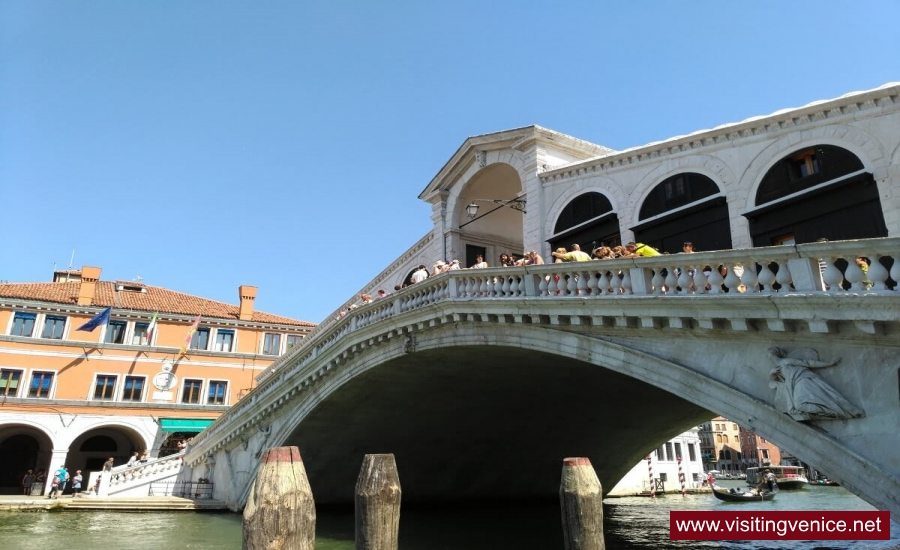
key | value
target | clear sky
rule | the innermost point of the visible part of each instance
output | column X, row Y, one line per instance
column 207, row 144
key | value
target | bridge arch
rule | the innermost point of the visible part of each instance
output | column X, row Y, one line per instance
column 495, row 229
column 685, row 395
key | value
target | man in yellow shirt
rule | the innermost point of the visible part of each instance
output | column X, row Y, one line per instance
column 640, row 249
column 576, row 255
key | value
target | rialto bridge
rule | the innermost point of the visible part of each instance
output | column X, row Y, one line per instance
column 481, row 381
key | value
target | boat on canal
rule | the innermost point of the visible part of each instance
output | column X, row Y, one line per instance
column 735, row 495
column 824, row 480
column 787, row 477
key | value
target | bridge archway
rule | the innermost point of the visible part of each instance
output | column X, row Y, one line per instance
column 492, row 411
column 495, row 228
column 22, row 448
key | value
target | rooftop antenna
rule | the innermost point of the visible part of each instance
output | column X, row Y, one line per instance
column 72, row 259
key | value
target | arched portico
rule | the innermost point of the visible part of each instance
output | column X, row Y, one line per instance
column 90, row 449
column 23, row 447
column 496, row 228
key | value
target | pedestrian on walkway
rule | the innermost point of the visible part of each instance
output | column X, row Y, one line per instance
column 27, row 482
column 76, row 483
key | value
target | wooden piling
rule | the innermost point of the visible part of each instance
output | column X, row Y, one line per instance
column 581, row 500
column 378, row 504
column 280, row 512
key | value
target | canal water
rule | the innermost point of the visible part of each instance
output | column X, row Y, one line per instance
column 630, row 523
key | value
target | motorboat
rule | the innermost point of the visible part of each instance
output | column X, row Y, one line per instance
column 787, row 477
column 823, row 480
column 736, row 495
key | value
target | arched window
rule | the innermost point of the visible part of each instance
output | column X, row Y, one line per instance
column 588, row 220
column 684, row 207
column 806, row 168
column 582, row 208
column 677, row 191
column 822, row 191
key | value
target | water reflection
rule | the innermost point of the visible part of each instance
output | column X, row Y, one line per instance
column 630, row 523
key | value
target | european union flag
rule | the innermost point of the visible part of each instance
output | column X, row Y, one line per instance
column 100, row 319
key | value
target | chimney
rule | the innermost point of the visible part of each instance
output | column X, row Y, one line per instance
column 247, row 294
column 88, row 286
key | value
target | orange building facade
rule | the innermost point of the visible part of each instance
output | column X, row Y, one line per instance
column 720, row 445
column 758, row 452
column 75, row 398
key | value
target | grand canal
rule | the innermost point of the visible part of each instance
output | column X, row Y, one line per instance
column 630, row 523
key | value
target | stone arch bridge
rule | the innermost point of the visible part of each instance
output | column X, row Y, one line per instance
column 480, row 381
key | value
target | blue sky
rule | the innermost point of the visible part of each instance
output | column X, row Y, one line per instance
column 207, row 144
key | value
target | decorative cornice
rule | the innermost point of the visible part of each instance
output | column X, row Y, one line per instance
column 850, row 105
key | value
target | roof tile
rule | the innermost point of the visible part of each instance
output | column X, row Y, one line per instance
column 154, row 299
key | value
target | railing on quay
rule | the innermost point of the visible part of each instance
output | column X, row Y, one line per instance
column 824, row 268
column 184, row 489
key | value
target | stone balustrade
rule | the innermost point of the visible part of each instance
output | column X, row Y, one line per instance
column 769, row 273
column 124, row 478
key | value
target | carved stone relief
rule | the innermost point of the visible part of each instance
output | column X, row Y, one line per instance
column 801, row 393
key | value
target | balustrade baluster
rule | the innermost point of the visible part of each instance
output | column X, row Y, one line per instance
column 514, row 286
column 504, row 288
column 684, row 280
column 616, row 282
column 483, row 287
column 671, row 281
column 470, row 286
column 732, row 281
column 572, row 285
column 626, row 282
column 544, row 285
column 657, row 281
column 715, row 281
column 854, row 275
column 593, row 289
column 603, row 285
column 582, row 284
column 700, row 282
column 748, row 277
column 783, row 277
column 766, row 278
column 832, row 276
column 552, row 287
column 878, row 274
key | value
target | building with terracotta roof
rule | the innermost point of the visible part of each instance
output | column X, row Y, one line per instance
column 77, row 397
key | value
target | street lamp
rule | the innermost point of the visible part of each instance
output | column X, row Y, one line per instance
column 472, row 207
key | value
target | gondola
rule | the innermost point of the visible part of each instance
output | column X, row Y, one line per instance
column 723, row 494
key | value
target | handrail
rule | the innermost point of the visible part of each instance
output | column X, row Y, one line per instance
column 768, row 271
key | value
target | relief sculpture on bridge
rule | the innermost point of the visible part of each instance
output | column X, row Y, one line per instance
column 801, row 393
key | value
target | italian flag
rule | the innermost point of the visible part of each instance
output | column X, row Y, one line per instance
column 151, row 328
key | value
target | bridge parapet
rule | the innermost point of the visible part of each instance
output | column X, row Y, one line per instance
column 625, row 293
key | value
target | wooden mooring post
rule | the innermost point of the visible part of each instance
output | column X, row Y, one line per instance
column 377, row 504
column 581, row 500
column 280, row 512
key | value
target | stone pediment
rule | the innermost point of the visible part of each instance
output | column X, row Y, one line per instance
column 474, row 150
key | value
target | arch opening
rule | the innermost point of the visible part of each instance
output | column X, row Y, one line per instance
column 587, row 220
column 816, row 192
column 90, row 450
column 695, row 214
column 496, row 423
column 22, row 448
column 496, row 229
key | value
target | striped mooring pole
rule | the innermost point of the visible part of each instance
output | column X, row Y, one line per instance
column 681, row 477
column 650, row 473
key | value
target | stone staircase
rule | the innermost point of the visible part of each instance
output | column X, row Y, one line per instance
column 136, row 481
column 142, row 503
